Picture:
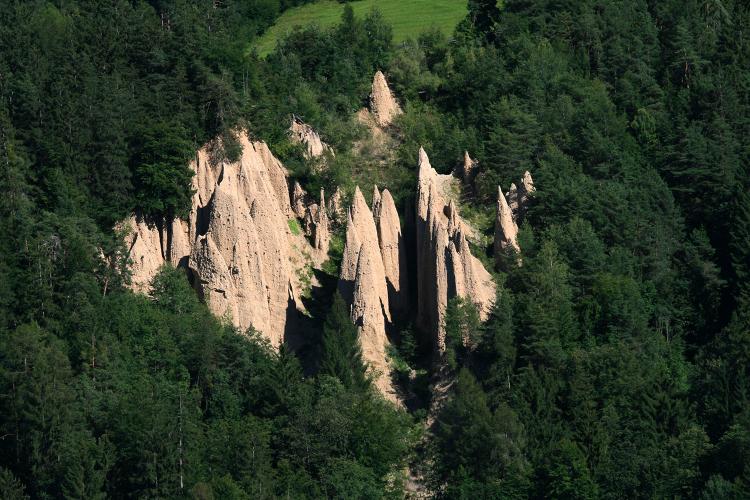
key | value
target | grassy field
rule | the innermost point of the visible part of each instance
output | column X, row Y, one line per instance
column 408, row 17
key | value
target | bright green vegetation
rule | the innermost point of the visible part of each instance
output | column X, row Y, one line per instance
column 615, row 362
column 294, row 227
column 407, row 17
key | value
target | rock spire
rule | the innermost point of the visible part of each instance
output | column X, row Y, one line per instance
column 369, row 280
column 511, row 209
column 317, row 225
column 445, row 265
column 383, row 105
column 468, row 170
column 506, row 230
column 392, row 250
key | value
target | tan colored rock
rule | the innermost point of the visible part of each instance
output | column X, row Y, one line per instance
column 303, row 133
column 237, row 242
column 367, row 233
column 468, row 170
column 309, row 221
column 366, row 285
column 393, row 251
column 512, row 198
column 299, row 200
column 383, row 105
column 349, row 260
column 322, row 235
column 144, row 244
column 527, row 189
column 445, row 264
column 179, row 245
column 207, row 173
column 528, row 183
column 375, row 202
column 506, row 230
column 367, row 314
column 336, row 207
column 243, row 261
column 270, row 167
column 317, row 225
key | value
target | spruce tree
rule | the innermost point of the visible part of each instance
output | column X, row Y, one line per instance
column 342, row 354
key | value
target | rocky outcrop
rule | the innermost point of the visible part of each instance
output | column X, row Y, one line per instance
column 511, row 209
column 367, row 313
column 242, row 261
column 506, row 230
column 468, row 170
column 512, row 199
column 299, row 200
column 336, row 207
column 317, row 225
column 144, row 242
column 304, row 134
column 445, row 265
column 237, row 243
column 392, row 249
column 349, row 260
column 518, row 198
column 527, row 189
column 383, row 105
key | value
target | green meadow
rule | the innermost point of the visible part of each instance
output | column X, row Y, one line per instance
column 408, row 17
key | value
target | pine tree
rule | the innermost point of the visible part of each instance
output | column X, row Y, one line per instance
column 483, row 15
column 739, row 245
column 478, row 448
column 342, row 354
column 567, row 475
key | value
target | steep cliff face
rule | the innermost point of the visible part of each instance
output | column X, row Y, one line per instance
column 383, row 105
column 304, row 134
column 237, row 243
column 144, row 244
column 242, row 260
column 445, row 265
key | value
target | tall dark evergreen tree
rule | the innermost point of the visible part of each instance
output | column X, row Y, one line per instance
column 342, row 355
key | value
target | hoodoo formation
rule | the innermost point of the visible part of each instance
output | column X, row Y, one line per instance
column 445, row 266
column 246, row 259
column 364, row 285
column 383, row 105
column 237, row 243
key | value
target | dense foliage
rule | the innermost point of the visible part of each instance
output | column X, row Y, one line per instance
column 616, row 362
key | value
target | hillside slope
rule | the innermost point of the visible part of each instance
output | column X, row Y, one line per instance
column 407, row 17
